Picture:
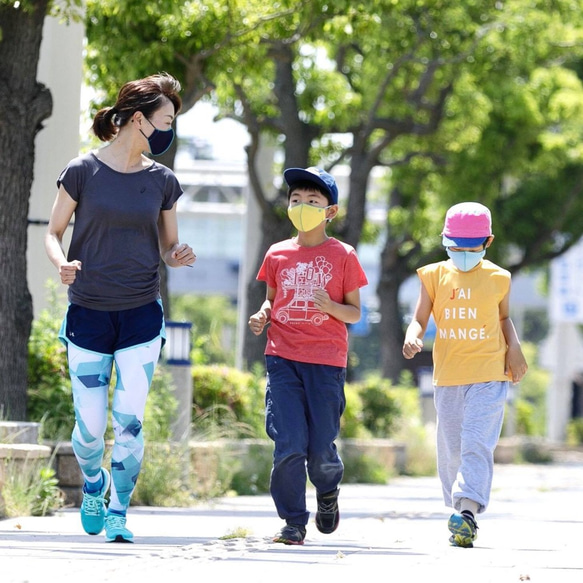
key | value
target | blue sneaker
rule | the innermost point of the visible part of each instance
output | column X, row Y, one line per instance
column 463, row 528
column 116, row 531
column 93, row 506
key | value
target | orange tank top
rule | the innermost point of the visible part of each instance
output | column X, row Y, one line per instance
column 469, row 344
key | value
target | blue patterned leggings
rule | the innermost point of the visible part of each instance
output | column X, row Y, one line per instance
column 90, row 377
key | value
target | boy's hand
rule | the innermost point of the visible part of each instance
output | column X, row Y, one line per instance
column 412, row 347
column 257, row 322
column 322, row 300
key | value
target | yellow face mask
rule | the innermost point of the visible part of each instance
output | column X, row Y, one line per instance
column 305, row 217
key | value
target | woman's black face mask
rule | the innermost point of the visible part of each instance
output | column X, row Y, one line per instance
column 160, row 140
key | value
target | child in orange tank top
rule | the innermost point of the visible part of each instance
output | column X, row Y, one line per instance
column 476, row 354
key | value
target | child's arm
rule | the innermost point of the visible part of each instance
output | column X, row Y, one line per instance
column 515, row 365
column 258, row 321
column 347, row 312
column 416, row 329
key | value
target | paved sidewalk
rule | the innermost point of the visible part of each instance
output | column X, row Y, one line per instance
column 396, row 533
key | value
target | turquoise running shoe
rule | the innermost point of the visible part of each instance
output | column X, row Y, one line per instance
column 93, row 506
column 116, row 531
column 463, row 528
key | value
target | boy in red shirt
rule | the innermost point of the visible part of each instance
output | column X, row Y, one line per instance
column 313, row 291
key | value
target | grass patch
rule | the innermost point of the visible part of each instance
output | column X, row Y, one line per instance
column 239, row 532
column 30, row 489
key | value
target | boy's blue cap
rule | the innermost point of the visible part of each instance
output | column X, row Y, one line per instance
column 315, row 175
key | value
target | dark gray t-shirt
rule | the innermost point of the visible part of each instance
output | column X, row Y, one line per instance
column 115, row 234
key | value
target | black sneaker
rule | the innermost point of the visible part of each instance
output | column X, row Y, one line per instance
column 328, row 515
column 291, row 534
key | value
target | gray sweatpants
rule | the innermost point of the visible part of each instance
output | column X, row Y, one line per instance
column 469, row 422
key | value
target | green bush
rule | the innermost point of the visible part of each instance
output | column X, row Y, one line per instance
column 530, row 403
column 379, row 409
column 524, row 417
column 226, row 394
column 419, row 439
column 49, row 388
column 535, row 452
column 575, row 431
column 30, row 489
column 161, row 406
column 253, row 473
column 363, row 469
column 351, row 425
column 47, row 497
column 164, row 479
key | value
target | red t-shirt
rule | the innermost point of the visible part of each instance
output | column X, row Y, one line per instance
column 298, row 330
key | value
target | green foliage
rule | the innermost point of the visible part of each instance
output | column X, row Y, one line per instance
column 530, row 402
column 253, row 472
column 421, row 457
column 380, row 409
column 214, row 321
column 351, row 425
column 47, row 496
column 411, row 429
column 575, row 431
column 535, row 452
column 30, row 489
column 225, row 394
column 67, row 10
column 163, row 479
column 239, row 532
column 192, row 40
column 49, row 395
column 363, row 469
column 161, row 407
column 524, row 412
column 377, row 409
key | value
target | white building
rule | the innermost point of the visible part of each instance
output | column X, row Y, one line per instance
column 60, row 69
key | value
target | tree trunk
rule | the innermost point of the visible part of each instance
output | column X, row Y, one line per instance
column 391, row 327
column 356, row 202
column 24, row 105
column 274, row 228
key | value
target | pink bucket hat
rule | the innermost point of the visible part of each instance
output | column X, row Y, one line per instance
column 467, row 224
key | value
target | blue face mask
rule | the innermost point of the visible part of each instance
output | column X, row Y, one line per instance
column 465, row 260
column 159, row 140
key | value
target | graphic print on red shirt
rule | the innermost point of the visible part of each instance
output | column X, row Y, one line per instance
column 299, row 330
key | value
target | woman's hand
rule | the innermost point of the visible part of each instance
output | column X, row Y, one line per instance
column 184, row 255
column 68, row 271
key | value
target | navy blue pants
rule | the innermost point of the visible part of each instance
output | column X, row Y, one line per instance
column 303, row 406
